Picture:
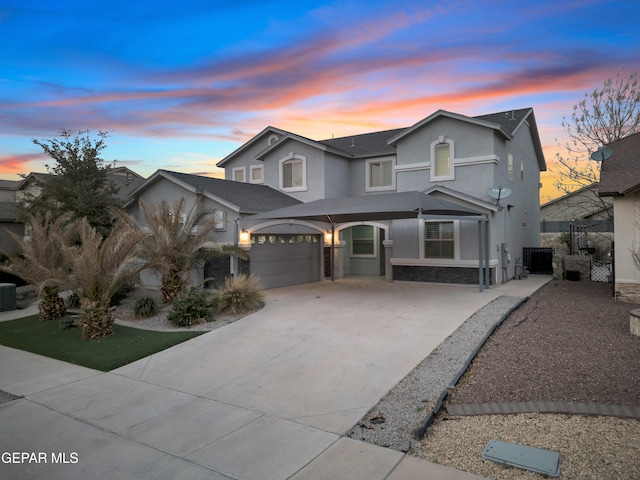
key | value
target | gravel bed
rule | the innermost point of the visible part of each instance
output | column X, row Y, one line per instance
column 569, row 342
column 124, row 315
column 392, row 422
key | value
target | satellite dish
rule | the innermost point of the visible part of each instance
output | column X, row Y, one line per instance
column 499, row 193
column 601, row 154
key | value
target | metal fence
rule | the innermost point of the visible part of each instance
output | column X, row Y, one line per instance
column 538, row 260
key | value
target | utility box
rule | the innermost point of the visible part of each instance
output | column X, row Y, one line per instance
column 7, row 297
column 573, row 275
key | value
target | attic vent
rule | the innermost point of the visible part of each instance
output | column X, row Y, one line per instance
column 510, row 115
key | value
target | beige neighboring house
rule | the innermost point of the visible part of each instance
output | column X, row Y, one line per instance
column 581, row 204
column 620, row 180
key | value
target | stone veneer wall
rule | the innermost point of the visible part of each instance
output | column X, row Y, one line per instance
column 628, row 292
column 579, row 263
column 601, row 242
column 461, row 275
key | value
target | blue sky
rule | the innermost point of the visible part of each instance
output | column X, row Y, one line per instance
column 179, row 85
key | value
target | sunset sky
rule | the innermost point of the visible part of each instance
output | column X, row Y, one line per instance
column 179, row 85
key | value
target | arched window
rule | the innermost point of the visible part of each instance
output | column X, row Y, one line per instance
column 293, row 172
column 442, row 158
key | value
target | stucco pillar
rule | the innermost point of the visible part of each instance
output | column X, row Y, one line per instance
column 388, row 253
column 338, row 259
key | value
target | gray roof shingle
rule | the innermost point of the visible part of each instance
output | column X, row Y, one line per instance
column 620, row 173
column 249, row 197
column 374, row 143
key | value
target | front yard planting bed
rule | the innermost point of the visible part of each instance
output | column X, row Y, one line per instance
column 125, row 346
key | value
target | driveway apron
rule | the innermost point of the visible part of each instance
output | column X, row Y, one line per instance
column 267, row 397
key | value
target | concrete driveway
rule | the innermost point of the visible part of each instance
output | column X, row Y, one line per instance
column 268, row 397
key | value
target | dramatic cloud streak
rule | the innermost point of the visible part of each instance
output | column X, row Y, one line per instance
column 174, row 85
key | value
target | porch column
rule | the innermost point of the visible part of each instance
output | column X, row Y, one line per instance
column 338, row 259
column 388, row 253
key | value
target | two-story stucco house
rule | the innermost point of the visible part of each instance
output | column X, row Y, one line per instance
column 446, row 155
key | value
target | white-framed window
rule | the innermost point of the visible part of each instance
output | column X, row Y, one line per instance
column 439, row 239
column 293, row 173
column 510, row 167
column 442, row 157
column 379, row 174
column 256, row 174
column 363, row 241
column 220, row 218
column 238, row 174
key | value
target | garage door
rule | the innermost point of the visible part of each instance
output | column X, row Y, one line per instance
column 281, row 260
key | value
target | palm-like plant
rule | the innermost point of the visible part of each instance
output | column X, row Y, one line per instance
column 177, row 241
column 97, row 268
column 38, row 259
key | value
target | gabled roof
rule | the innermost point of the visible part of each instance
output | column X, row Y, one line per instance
column 125, row 179
column 465, row 197
column 307, row 141
column 384, row 142
column 620, row 173
column 268, row 130
column 456, row 116
column 247, row 198
column 510, row 121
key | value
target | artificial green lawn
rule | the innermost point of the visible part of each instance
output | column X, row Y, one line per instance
column 127, row 345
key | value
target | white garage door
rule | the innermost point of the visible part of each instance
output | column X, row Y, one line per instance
column 281, row 260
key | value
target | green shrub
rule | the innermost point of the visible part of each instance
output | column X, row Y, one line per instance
column 145, row 307
column 191, row 307
column 67, row 322
column 240, row 295
column 122, row 293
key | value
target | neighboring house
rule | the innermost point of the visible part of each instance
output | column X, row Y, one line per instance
column 446, row 155
column 581, row 204
column 620, row 179
column 227, row 201
column 125, row 179
column 8, row 222
column 12, row 192
column 577, row 223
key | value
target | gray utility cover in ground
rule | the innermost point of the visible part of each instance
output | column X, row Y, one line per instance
column 537, row 460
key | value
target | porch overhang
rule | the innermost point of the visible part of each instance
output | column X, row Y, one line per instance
column 387, row 206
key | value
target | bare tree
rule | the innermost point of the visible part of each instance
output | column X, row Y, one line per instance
column 604, row 115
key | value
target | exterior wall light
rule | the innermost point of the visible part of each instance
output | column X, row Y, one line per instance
column 244, row 237
column 327, row 237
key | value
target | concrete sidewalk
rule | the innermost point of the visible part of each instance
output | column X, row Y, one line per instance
column 268, row 397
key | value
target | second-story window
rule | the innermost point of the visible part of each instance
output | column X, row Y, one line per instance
column 442, row 159
column 293, row 172
column 379, row 174
column 238, row 174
